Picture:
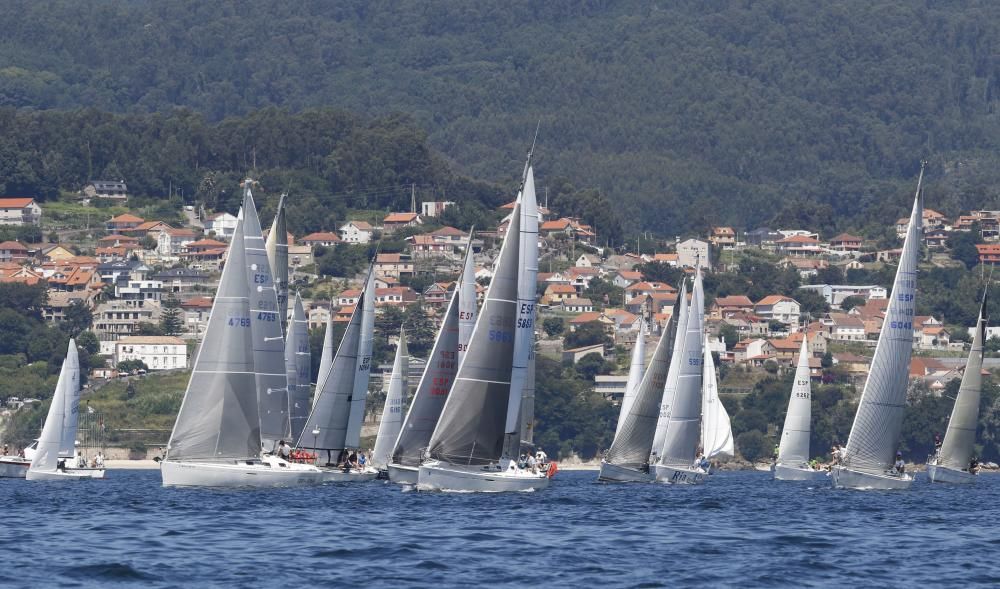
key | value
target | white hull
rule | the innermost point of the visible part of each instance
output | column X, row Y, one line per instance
column 678, row 476
column 14, row 467
column 403, row 475
column 943, row 474
column 55, row 475
column 439, row 476
column 612, row 473
column 238, row 474
column 797, row 473
column 90, row 473
column 332, row 474
column 845, row 478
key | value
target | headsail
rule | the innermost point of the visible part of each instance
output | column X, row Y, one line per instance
column 666, row 398
column 218, row 419
column 265, row 328
column 879, row 420
column 635, row 371
column 716, row 430
column 392, row 412
column 277, row 255
column 298, row 366
column 793, row 449
column 63, row 411
column 362, row 370
column 960, row 439
column 637, row 427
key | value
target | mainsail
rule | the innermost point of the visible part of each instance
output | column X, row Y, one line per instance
column 957, row 448
column 298, row 364
column 63, row 411
column 680, row 441
column 666, row 398
column 471, row 429
column 265, row 328
column 392, row 412
column 635, row 371
column 218, row 418
column 637, row 426
column 793, row 449
column 277, row 255
column 439, row 372
column 879, row 420
column 716, row 430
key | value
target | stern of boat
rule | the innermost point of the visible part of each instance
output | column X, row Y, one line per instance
column 678, row 476
column 942, row 474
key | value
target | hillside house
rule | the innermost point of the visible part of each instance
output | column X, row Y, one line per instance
column 724, row 307
column 844, row 327
column 451, row 236
column 393, row 265
column 931, row 220
column 556, row 293
column 157, row 352
column 778, row 308
column 845, row 242
column 989, row 253
column 434, row 208
column 763, row 237
column 115, row 190
column 123, row 222
column 181, row 280
column 13, row 251
column 321, row 238
column 799, row 246
column 425, row 246
column 693, row 253
column 223, row 225
column 396, row 221
column 356, row 232
column 723, row 237
column 396, row 296
column 588, row 261
column 577, row 305
column 19, row 211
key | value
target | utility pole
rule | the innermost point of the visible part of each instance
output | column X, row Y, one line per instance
column 413, row 198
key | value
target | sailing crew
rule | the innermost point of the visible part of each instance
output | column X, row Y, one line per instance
column 99, row 460
column 532, row 464
column 284, row 450
column 974, row 465
column 835, row 454
column 900, row 466
column 361, row 461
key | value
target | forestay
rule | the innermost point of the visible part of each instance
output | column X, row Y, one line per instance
column 218, row 418
column 879, row 419
column 392, row 412
column 60, row 423
column 716, row 430
column 666, row 397
column 298, row 366
column 793, row 449
column 960, row 438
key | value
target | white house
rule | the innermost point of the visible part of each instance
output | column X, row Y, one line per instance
column 109, row 189
column 222, row 224
column 159, row 352
column 356, row 232
column 433, row 208
column 844, row 327
column 693, row 253
column 779, row 308
column 20, row 211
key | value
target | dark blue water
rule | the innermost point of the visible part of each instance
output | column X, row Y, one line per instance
column 740, row 529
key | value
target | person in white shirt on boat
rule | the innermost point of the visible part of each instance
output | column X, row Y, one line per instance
column 532, row 464
column 99, row 460
column 541, row 456
column 900, row 466
column 284, row 450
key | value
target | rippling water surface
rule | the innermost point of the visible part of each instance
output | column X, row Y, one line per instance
column 738, row 529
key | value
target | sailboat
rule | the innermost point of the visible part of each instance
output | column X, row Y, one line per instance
column 298, row 365
column 449, row 349
column 868, row 458
column 793, row 450
column 627, row 460
column 57, row 444
column 334, row 423
column 635, row 371
column 216, row 440
column 716, row 429
column 676, row 462
column 277, row 255
column 392, row 412
column 476, row 442
column 951, row 464
column 673, row 374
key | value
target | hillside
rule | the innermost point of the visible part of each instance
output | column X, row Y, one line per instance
column 686, row 113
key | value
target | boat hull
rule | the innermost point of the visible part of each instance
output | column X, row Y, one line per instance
column 233, row 474
column 942, row 474
column 14, row 467
column 678, row 476
column 403, row 475
column 337, row 475
column 55, row 475
column 846, row 478
column 784, row 472
column 438, row 476
column 612, row 473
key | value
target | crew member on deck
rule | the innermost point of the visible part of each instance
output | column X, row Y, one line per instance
column 900, row 466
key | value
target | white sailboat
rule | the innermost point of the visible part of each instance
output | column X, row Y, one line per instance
column 392, row 412
column 333, row 427
column 476, row 442
column 635, row 371
column 952, row 462
column 56, row 445
column 216, row 439
column 277, row 254
column 673, row 373
column 793, row 450
column 298, row 364
column 868, row 458
column 627, row 460
column 716, row 429
column 449, row 348
column 676, row 464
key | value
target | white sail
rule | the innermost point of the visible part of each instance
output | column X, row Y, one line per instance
column 793, row 450
column 298, row 364
column 265, row 329
column 527, row 428
column 524, row 328
column 670, row 385
column 716, row 430
column 960, row 438
column 326, row 356
column 362, row 371
column 65, row 403
column 636, row 428
column 218, row 418
column 392, row 412
column 635, row 372
column 277, row 255
column 879, row 419
column 680, row 442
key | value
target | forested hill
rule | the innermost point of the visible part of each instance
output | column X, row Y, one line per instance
column 684, row 112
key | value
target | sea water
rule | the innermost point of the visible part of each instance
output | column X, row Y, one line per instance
column 738, row 529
